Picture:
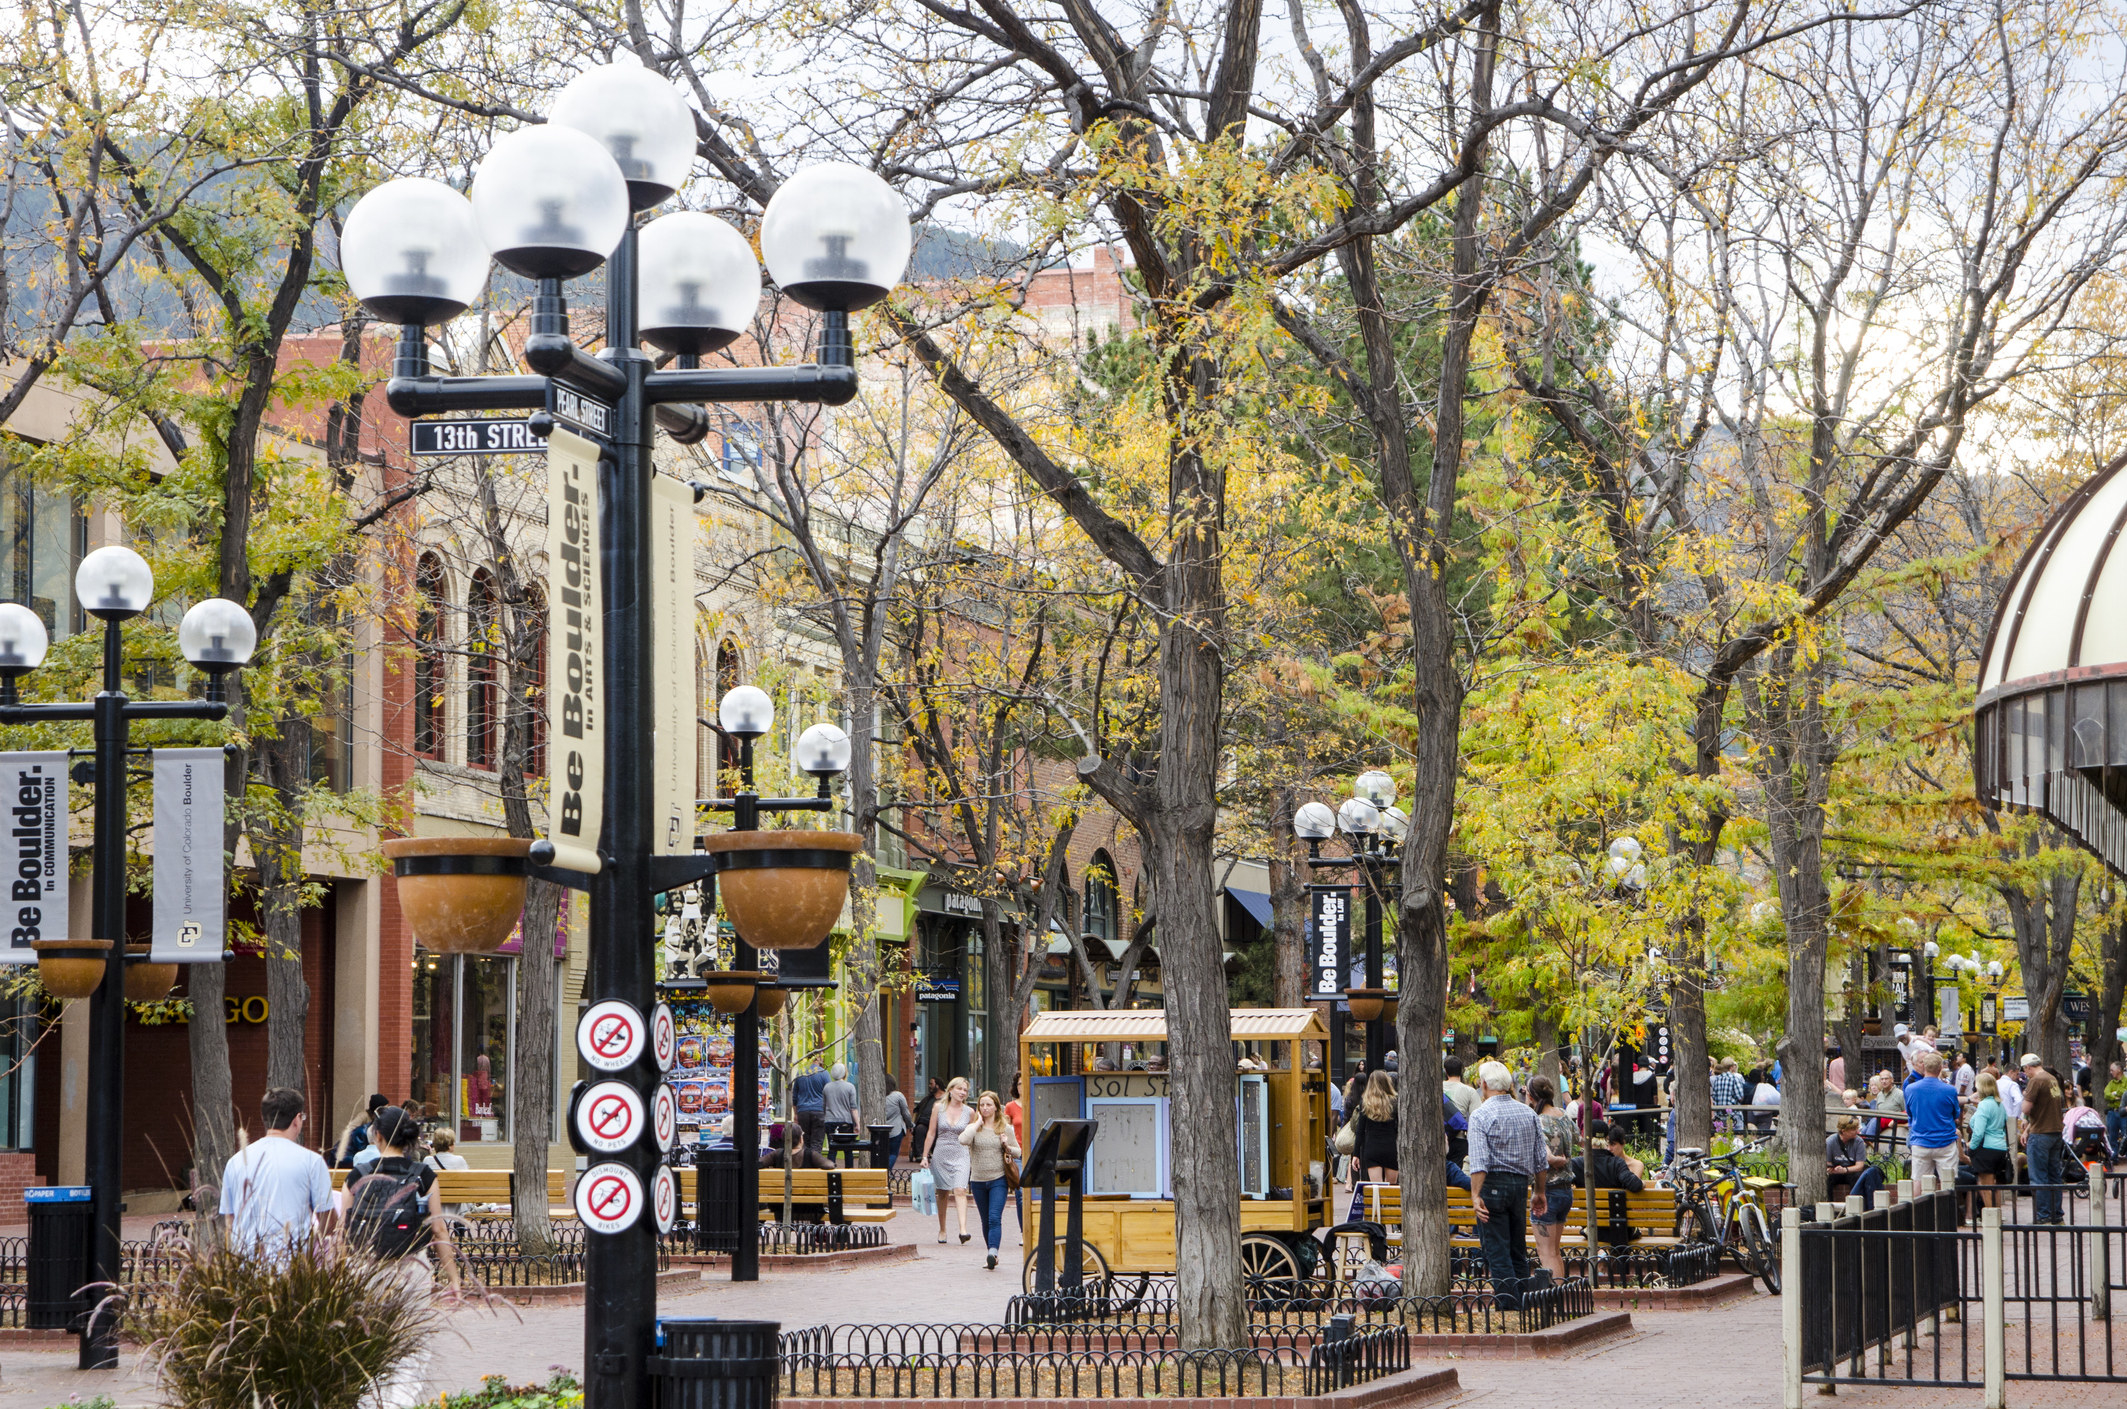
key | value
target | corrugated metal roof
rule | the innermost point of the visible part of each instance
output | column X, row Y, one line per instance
column 1150, row 1025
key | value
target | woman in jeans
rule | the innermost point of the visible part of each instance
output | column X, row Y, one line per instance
column 1560, row 1139
column 989, row 1139
column 899, row 1119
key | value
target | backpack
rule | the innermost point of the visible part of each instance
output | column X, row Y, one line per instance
column 386, row 1214
column 1458, row 1125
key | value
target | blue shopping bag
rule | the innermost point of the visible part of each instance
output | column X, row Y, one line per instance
column 923, row 1192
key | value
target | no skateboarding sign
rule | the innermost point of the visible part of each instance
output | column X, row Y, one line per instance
column 664, row 1117
column 611, row 1035
column 609, row 1118
column 664, row 1199
column 663, row 1040
column 609, row 1198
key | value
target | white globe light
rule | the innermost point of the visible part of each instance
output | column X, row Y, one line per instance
column 1626, row 847
column 114, row 582
column 217, row 635
column 823, row 751
column 1395, row 823
column 698, row 282
column 1930, row 949
column 23, row 639
column 550, row 202
column 639, row 118
column 412, row 252
column 1376, row 787
column 836, row 237
column 1314, row 822
column 746, row 712
column 1358, row 817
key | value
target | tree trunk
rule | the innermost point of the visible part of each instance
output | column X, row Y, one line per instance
column 1288, row 902
column 1691, row 1091
column 1795, row 765
column 277, row 847
column 861, row 966
column 1545, row 1034
column 213, row 1103
column 1853, row 1011
column 532, row 1068
column 2043, row 919
column 2101, row 1042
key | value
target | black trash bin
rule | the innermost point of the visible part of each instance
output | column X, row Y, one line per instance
column 60, row 1228
column 716, row 1201
column 710, row 1364
column 880, row 1134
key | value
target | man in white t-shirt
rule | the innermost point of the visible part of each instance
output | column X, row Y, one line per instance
column 274, row 1188
column 1964, row 1077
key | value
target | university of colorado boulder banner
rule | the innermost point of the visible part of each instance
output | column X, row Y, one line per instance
column 190, row 883
column 34, row 785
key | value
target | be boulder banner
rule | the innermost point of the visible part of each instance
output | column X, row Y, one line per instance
column 576, row 743
column 1329, row 941
column 672, row 646
column 190, row 884
column 35, row 787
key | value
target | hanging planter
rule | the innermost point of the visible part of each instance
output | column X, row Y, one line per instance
column 1388, row 1008
column 783, row 890
column 71, row 968
column 769, row 999
column 145, row 981
column 1366, row 1003
column 460, row 895
column 730, row 990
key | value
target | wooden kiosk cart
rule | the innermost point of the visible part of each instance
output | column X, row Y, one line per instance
column 1110, row 1067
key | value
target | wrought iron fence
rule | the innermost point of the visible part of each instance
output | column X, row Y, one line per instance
column 1285, row 1304
column 1013, row 1362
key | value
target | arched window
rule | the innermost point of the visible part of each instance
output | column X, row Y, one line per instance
column 483, row 723
column 1100, row 901
column 430, row 594
column 727, row 679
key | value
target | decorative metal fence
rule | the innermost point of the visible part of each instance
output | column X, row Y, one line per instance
column 1284, row 1304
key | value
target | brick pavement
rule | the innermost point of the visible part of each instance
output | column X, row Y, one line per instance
column 1724, row 1358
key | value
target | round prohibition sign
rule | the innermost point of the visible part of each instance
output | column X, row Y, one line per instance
column 664, row 1039
column 611, row 1034
column 664, row 1118
column 609, row 1118
column 664, row 1199
column 609, row 1198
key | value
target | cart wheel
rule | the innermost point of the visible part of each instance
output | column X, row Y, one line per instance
column 1093, row 1269
column 1264, row 1258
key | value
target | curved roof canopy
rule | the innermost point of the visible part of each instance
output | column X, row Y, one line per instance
column 2052, row 710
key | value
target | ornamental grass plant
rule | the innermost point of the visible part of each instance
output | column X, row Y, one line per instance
column 319, row 1328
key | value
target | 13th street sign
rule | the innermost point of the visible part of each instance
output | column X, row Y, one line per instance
column 476, row 437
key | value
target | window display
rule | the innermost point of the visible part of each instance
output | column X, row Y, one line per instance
column 701, row 1067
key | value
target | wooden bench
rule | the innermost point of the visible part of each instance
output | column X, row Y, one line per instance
column 486, row 1186
column 1623, row 1218
column 844, row 1195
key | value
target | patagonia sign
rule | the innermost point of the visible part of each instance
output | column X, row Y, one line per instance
column 35, row 787
column 190, row 882
column 576, row 734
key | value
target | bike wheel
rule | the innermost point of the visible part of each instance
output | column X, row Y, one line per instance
column 1764, row 1252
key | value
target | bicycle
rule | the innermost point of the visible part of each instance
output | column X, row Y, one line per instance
column 1719, row 1204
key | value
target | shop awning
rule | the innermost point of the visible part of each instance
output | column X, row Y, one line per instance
column 1150, row 1025
column 1254, row 902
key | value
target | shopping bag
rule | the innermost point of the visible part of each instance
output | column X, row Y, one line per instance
column 923, row 1192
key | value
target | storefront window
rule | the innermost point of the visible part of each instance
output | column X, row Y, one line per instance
column 42, row 535
column 486, row 990
column 18, row 1082
column 976, row 986
column 464, row 1027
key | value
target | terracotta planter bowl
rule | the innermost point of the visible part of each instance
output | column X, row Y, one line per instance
column 461, row 895
column 730, row 990
column 71, row 968
column 1388, row 1009
column 1366, row 1003
column 783, row 890
column 769, row 999
column 146, row 982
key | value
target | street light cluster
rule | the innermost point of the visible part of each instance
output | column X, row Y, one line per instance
column 553, row 202
column 114, row 583
column 1369, row 813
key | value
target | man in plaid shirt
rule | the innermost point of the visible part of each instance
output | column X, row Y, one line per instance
column 1507, row 1151
column 1729, row 1090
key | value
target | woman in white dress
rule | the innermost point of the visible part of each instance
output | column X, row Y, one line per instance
column 945, row 1157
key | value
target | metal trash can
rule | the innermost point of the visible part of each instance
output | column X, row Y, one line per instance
column 60, row 1229
column 880, row 1134
column 711, row 1364
column 716, row 1201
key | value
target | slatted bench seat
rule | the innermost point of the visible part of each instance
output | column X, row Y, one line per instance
column 1645, row 1219
column 839, row 1195
column 489, row 1186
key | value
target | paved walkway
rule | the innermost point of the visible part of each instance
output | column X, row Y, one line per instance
column 1727, row 1358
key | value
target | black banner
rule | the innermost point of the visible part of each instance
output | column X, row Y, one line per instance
column 1329, row 941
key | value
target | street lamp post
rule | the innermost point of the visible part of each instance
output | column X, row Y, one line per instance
column 552, row 203
column 1373, row 830
column 216, row 636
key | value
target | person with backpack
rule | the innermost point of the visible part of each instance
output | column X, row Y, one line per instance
column 394, row 1211
column 1458, row 1138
